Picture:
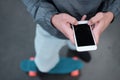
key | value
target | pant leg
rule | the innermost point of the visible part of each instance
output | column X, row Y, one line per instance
column 47, row 48
column 70, row 45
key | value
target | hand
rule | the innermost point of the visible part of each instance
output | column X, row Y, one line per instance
column 100, row 21
column 62, row 22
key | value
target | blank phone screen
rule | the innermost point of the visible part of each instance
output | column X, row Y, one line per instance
column 83, row 35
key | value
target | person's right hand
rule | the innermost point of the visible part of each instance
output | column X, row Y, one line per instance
column 62, row 22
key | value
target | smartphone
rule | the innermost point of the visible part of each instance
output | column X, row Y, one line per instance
column 84, row 38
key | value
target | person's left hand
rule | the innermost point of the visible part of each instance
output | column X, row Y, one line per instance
column 100, row 21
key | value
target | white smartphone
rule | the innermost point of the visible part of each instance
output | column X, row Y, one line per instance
column 84, row 38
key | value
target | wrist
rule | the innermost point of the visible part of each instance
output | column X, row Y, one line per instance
column 53, row 19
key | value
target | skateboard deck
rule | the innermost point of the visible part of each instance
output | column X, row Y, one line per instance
column 66, row 65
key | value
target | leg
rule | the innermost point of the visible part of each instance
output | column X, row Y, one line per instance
column 85, row 56
column 47, row 48
column 70, row 45
column 47, row 58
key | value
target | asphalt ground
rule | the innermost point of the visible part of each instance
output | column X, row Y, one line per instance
column 17, row 31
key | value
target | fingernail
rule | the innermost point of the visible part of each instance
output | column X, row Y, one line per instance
column 85, row 16
column 89, row 23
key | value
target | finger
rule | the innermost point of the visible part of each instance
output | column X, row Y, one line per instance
column 97, row 31
column 71, row 37
column 69, row 33
column 96, row 35
column 83, row 17
column 92, row 26
column 95, row 19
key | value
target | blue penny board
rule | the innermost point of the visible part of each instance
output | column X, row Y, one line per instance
column 65, row 65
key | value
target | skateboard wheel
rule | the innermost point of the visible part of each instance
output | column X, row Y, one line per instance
column 75, row 73
column 32, row 58
column 32, row 74
column 75, row 58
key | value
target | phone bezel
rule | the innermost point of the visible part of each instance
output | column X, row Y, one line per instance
column 84, row 48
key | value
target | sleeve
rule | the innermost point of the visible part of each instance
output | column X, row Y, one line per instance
column 112, row 6
column 42, row 11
